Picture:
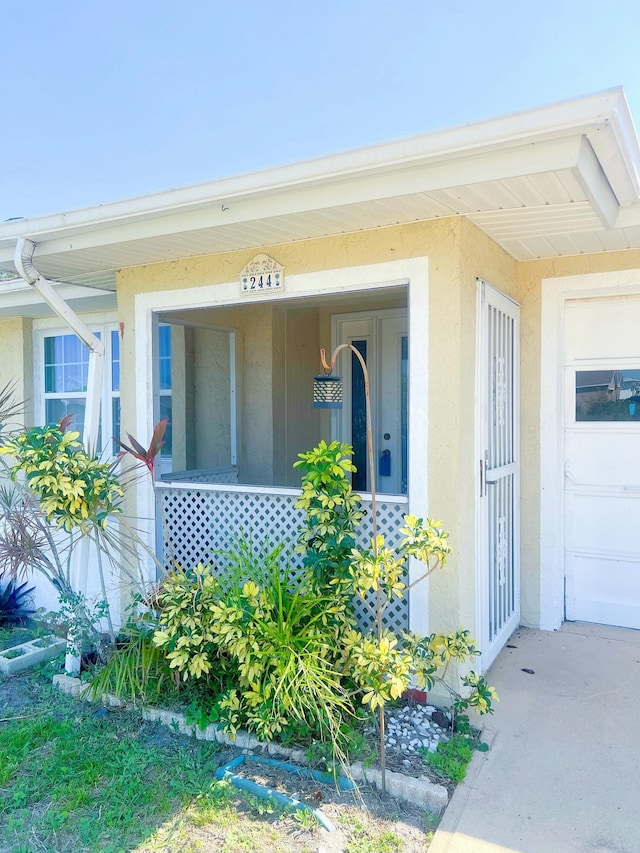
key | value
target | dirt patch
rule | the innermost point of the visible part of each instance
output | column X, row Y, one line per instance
column 352, row 812
column 15, row 695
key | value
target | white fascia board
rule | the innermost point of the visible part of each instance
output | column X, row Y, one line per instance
column 595, row 184
column 20, row 294
column 628, row 217
column 572, row 118
column 615, row 142
column 533, row 158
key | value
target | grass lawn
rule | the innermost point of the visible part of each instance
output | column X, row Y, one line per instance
column 76, row 777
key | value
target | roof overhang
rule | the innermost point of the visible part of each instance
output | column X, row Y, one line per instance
column 558, row 180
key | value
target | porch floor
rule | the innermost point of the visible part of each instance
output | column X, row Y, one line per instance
column 562, row 771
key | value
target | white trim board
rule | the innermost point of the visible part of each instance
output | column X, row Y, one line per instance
column 555, row 293
column 411, row 273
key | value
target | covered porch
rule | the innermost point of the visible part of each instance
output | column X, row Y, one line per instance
column 236, row 384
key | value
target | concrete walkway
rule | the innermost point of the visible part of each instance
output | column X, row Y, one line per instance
column 563, row 771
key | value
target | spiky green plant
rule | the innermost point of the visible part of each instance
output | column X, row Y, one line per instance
column 15, row 603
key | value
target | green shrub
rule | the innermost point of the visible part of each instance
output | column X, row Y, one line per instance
column 278, row 652
column 75, row 489
column 450, row 758
column 332, row 510
column 279, row 640
column 136, row 669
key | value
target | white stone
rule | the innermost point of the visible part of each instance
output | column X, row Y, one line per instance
column 68, row 684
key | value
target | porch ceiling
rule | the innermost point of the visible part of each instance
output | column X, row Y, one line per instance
column 562, row 180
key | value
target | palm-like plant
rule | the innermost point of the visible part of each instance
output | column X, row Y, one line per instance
column 15, row 603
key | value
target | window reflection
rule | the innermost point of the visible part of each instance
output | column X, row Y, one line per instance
column 608, row 395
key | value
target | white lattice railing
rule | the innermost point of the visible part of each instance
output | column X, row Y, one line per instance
column 227, row 474
column 203, row 519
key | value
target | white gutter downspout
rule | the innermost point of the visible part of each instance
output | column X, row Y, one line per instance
column 23, row 259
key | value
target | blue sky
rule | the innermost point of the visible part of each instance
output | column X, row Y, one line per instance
column 109, row 100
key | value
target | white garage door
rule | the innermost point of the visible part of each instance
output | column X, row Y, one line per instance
column 602, row 460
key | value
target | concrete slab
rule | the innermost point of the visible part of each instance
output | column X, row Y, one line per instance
column 562, row 774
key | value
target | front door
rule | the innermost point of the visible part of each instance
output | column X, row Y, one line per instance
column 602, row 460
column 498, row 468
column 382, row 339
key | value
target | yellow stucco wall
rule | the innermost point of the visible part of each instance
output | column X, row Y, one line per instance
column 457, row 252
column 16, row 364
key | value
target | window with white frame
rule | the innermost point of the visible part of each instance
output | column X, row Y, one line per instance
column 61, row 373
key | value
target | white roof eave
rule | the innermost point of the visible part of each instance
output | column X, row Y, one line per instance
column 545, row 138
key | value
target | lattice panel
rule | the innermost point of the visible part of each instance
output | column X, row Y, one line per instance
column 396, row 613
column 201, row 522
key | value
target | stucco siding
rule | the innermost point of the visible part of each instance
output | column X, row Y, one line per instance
column 16, row 365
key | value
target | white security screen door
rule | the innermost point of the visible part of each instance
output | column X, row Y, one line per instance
column 498, row 467
column 382, row 339
column 602, row 460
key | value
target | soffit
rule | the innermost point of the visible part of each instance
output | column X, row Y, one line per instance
column 559, row 181
column 514, row 211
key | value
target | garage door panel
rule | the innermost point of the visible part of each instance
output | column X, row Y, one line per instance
column 601, row 588
column 600, row 521
column 601, row 457
column 602, row 328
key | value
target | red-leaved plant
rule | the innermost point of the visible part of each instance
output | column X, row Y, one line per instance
column 146, row 455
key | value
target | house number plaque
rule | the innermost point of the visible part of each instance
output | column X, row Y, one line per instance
column 262, row 274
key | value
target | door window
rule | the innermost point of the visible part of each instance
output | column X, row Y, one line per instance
column 381, row 338
column 608, row 395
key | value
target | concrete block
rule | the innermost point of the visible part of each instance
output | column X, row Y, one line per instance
column 68, row 684
column 224, row 737
column 151, row 714
column 29, row 654
column 211, row 732
column 208, row 734
column 421, row 792
column 242, row 739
